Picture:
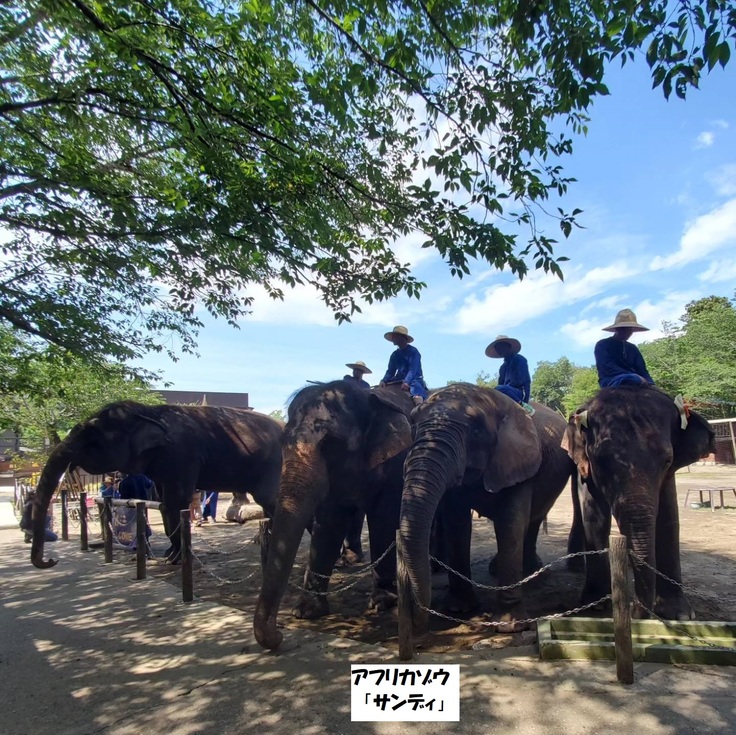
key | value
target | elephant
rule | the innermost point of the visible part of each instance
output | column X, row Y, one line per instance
column 181, row 448
column 476, row 449
column 343, row 449
column 627, row 443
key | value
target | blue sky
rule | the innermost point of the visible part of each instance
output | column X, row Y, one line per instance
column 657, row 182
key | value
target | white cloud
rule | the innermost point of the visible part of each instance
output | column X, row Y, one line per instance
column 705, row 235
column 719, row 271
column 705, row 139
column 502, row 307
column 723, row 180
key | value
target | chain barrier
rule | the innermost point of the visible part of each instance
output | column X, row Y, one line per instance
column 638, row 560
column 359, row 573
column 219, row 550
column 501, row 588
column 496, row 623
column 217, row 577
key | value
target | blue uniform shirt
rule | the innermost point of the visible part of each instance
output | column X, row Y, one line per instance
column 515, row 372
column 615, row 357
column 358, row 381
column 405, row 366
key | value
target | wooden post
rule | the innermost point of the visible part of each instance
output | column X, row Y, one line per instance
column 84, row 542
column 187, row 576
column 64, row 515
column 618, row 556
column 405, row 602
column 140, row 539
column 107, row 523
column 264, row 538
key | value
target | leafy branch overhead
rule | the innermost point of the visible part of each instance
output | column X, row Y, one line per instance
column 162, row 156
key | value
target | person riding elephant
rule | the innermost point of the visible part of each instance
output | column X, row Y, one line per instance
column 343, row 450
column 617, row 361
column 477, row 449
column 513, row 376
column 359, row 369
column 627, row 443
column 405, row 365
column 180, row 448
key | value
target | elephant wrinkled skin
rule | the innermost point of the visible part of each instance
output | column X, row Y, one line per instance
column 343, row 449
column 181, row 448
column 475, row 448
column 627, row 443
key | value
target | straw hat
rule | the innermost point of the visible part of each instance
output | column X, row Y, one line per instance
column 625, row 319
column 398, row 330
column 513, row 343
column 358, row 365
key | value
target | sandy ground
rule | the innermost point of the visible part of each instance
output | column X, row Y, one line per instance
column 227, row 571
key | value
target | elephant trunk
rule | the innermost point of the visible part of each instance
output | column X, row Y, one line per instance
column 304, row 485
column 432, row 466
column 57, row 463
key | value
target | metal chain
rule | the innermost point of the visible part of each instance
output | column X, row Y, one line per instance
column 523, row 581
column 212, row 574
column 333, row 591
column 644, row 563
column 365, row 570
column 201, row 537
column 674, row 624
column 496, row 623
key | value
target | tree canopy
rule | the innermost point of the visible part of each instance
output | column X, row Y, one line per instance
column 158, row 157
column 44, row 394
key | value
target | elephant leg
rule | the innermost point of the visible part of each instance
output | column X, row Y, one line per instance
column 383, row 517
column 670, row 601
column 596, row 528
column 532, row 560
column 457, row 521
column 328, row 532
column 576, row 537
column 352, row 546
column 511, row 522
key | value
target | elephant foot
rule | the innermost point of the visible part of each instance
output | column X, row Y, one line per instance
column 172, row 555
column 461, row 601
column 678, row 608
column 311, row 607
column 591, row 595
column 349, row 558
column 511, row 621
column 382, row 600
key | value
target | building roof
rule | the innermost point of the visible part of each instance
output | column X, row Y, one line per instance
column 201, row 398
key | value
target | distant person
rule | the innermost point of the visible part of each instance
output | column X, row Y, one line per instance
column 359, row 369
column 618, row 362
column 513, row 376
column 405, row 365
column 26, row 520
column 135, row 487
column 108, row 489
column 209, row 507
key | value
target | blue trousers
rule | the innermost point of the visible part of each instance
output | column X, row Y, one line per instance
column 623, row 379
column 513, row 393
column 209, row 505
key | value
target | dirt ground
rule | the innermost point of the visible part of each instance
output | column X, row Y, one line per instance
column 227, row 570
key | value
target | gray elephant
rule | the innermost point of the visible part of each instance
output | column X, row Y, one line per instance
column 627, row 443
column 181, row 448
column 343, row 449
column 475, row 448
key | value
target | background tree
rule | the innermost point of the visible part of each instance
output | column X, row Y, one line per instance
column 278, row 414
column 46, row 393
column 157, row 157
column 584, row 385
column 483, row 379
column 551, row 383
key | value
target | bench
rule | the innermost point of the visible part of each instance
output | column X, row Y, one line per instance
column 710, row 490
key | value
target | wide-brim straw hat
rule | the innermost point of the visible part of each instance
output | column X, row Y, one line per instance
column 626, row 319
column 358, row 365
column 398, row 330
column 513, row 343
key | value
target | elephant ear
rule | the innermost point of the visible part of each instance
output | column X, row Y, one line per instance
column 389, row 432
column 574, row 441
column 392, row 398
column 518, row 452
column 147, row 433
column 696, row 441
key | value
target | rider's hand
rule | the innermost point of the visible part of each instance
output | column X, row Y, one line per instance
column 382, row 384
column 404, row 386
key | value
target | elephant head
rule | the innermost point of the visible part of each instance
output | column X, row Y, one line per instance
column 118, row 437
column 464, row 435
column 627, row 443
column 336, row 435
